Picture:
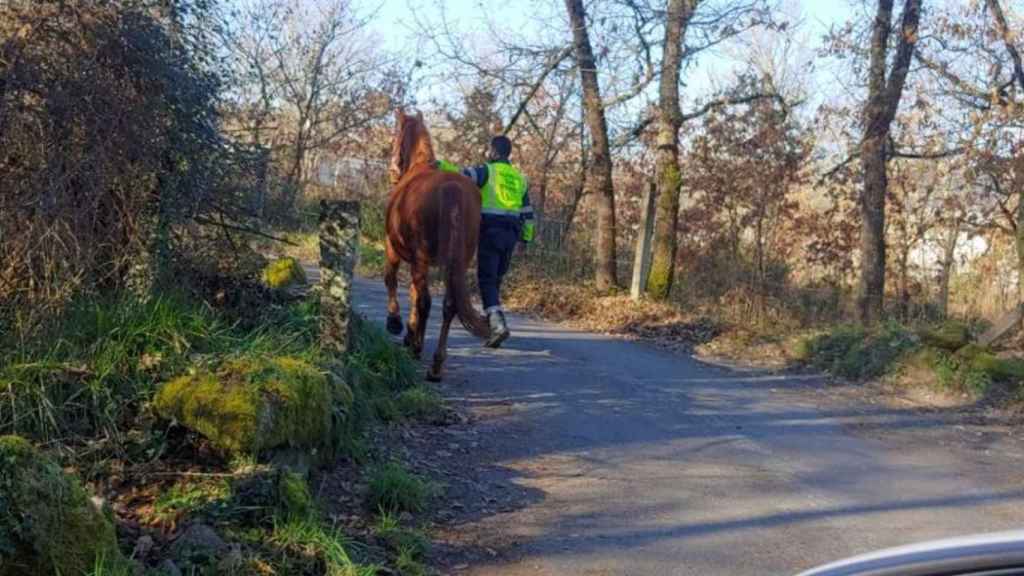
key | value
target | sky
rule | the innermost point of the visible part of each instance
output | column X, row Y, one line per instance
column 393, row 17
column 394, row 25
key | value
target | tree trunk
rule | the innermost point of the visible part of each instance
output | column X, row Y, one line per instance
column 872, row 208
column 600, row 178
column 904, row 268
column 1019, row 230
column 879, row 111
column 667, row 175
column 949, row 253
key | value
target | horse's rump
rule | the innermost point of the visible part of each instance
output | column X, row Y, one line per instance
column 439, row 213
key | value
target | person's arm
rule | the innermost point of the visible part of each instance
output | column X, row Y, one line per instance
column 446, row 166
column 526, row 215
column 478, row 174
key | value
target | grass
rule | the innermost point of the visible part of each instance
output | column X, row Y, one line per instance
column 188, row 498
column 310, row 544
column 420, row 403
column 859, row 354
column 88, row 385
column 99, row 364
column 393, row 489
column 389, row 529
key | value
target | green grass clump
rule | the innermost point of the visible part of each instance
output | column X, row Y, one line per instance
column 99, row 362
column 371, row 260
column 950, row 336
column 97, row 365
column 394, row 489
column 419, row 403
column 314, row 548
column 186, row 498
column 376, row 364
column 283, row 273
column 294, row 499
column 48, row 525
column 397, row 538
column 855, row 353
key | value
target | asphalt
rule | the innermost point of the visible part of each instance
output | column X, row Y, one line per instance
column 648, row 462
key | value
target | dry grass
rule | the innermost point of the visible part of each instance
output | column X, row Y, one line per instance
column 582, row 306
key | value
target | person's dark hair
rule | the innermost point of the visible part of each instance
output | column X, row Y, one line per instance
column 501, row 146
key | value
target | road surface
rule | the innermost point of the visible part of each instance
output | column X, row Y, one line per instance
column 647, row 462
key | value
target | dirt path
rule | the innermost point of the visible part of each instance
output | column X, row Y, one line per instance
column 613, row 457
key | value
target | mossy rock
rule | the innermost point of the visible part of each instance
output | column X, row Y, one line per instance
column 950, row 336
column 48, row 523
column 250, row 405
column 983, row 360
column 283, row 273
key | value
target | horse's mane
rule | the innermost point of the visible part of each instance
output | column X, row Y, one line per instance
column 413, row 144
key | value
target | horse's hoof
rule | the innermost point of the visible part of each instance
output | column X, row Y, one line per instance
column 433, row 376
column 395, row 325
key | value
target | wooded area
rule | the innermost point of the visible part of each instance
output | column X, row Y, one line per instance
column 156, row 155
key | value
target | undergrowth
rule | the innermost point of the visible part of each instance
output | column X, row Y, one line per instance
column 393, row 489
column 100, row 362
column 858, row 354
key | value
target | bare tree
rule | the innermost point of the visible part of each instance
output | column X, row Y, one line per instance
column 885, row 89
column 309, row 78
column 669, row 121
column 599, row 179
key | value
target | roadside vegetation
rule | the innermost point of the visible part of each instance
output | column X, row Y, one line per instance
column 162, row 391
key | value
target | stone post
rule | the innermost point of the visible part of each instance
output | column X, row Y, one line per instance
column 642, row 261
column 339, row 251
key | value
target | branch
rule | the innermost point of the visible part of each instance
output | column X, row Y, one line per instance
column 245, row 229
column 733, row 101
column 1004, row 33
column 926, row 156
column 828, row 175
column 551, row 66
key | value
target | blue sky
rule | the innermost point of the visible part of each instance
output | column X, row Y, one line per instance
column 393, row 25
column 394, row 14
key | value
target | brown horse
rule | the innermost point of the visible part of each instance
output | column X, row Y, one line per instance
column 433, row 218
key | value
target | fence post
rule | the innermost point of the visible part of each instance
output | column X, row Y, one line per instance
column 339, row 252
column 642, row 261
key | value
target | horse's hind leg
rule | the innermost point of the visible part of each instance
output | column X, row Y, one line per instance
column 419, row 294
column 441, row 353
column 391, row 265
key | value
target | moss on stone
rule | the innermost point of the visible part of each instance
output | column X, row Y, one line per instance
column 253, row 404
column 48, row 524
column 983, row 360
column 950, row 335
column 284, row 272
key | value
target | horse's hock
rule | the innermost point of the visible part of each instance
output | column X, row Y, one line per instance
column 339, row 252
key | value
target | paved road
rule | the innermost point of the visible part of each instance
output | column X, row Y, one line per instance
column 645, row 462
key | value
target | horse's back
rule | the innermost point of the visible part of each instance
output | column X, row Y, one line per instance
column 417, row 208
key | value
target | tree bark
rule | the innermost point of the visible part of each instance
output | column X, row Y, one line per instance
column 948, row 255
column 1018, row 182
column 667, row 175
column 600, row 177
column 879, row 111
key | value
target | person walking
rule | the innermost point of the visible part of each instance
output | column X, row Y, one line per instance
column 506, row 219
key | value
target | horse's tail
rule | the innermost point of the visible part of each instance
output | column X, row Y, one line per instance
column 453, row 248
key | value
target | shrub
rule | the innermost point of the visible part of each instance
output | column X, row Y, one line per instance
column 950, row 336
column 48, row 524
column 852, row 352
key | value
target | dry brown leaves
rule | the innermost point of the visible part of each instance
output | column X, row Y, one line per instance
column 583, row 307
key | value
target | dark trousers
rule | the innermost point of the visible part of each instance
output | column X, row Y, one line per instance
column 498, row 237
